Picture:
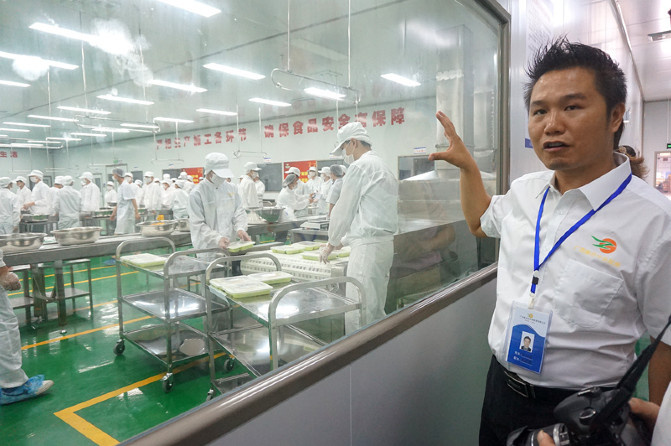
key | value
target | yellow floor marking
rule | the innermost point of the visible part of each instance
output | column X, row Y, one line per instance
column 80, row 282
column 74, row 335
column 95, row 434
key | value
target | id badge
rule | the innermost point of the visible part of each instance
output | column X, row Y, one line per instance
column 527, row 331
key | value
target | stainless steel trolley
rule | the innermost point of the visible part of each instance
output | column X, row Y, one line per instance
column 260, row 333
column 165, row 340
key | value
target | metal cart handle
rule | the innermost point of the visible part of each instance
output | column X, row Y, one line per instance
column 186, row 252
column 224, row 261
column 145, row 243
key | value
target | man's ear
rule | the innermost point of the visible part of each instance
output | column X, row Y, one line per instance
column 616, row 117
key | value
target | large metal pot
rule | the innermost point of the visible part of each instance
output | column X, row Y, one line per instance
column 269, row 214
column 32, row 218
column 183, row 225
column 157, row 228
column 103, row 212
column 77, row 236
column 26, row 241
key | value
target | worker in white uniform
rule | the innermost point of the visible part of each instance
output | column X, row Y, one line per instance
column 139, row 192
column 247, row 189
column 290, row 200
column 180, row 201
column 68, row 205
column 167, row 194
column 10, row 210
column 40, row 197
column 152, row 195
column 301, row 188
column 366, row 216
column 128, row 178
column 14, row 383
column 260, row 188
column 322, row 196
column 216, row 213
column 314, row 183
column 188, row 181
column 53, row 190
column 22, row 191
column 125, row 212
column 337, row 174
column 110, row 194
column 90, row 193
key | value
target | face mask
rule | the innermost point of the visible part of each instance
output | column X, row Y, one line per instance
column 348, row 159
column 255, row 174
column 109, row 188
column 83, row 183
column 217, row 180
column 312, row 174
column 129, row 181
column 147, row 180
column 33, row 179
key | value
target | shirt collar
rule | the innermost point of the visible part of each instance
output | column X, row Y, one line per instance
column 600, row 189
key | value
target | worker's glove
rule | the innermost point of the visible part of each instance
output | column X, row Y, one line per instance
column 10, row 281
column 223, row 242
column 242, row 235
column 324, row 252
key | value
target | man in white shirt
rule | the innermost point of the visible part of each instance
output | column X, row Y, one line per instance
column 314, row 183
column 152, row 195
column 22, row 191
column 40, row 203
column 53, row 190
column 10, row 210
column 247, row 189
column 90, row 193
column 68, row 205
column 585, row 243
column 301, row 187
column 110, row 194
column 126, row 211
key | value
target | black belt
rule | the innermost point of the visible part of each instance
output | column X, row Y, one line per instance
column 530, row 391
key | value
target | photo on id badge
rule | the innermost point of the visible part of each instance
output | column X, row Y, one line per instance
column 528, row 330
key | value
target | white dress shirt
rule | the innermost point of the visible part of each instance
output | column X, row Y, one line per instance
column 248, row 194
column 602, row 302
column 41, row 195
column 90, row 197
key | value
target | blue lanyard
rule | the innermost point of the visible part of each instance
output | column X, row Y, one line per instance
column 567, row 234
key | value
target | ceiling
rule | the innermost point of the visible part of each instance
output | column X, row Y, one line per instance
column 652, row 59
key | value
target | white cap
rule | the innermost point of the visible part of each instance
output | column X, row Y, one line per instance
column 4, row 182
column 251, row 166
column 128, row 174
column 87, row 176
column 36, row 173
column 110, row 183
column 353, row 130
column 325, row 170
column 313, row 168
column 180, row 184
column 67, row 180
column 149, row 174
column 165, row 182
column 166, row 176
column 183, row 175
column 218, row 163
column 138, row 182
column 295, row 170
column 20, row 178
column 58, row 180
column 338, row 170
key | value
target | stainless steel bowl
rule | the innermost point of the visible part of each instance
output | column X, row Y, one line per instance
column 77, row 236
column 30, row 218
column 103, row 212
column 271, row 214
column 183, row 225
column 26, row 241
column 157, row 228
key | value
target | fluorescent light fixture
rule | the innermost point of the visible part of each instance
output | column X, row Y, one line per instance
column 97, row 135
column 25, row 124
column 26, row 145
column 111, row 97
column 175, row 120
column 400, row 80
column 193, row 6
column 14, row 84
column 35, row 60
column 56, row 138
column 656, row 37
column 234, row 71
column 140, row 126
column 109, row 130
column 84, row 110
column 270, row 102
column 4, row 136
column 320, row 92
column 63, row 32
column 14, row 130
column 52, row 118
column 184, row 87
column 216, row 112
column 42, row 141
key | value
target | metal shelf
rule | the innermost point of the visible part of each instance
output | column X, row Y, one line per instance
column 154, row 340
column 182, row 304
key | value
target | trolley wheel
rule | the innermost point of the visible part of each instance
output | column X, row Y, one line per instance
column 167, row 382
column 210, row 395
column 229, row 364
column 119, row 347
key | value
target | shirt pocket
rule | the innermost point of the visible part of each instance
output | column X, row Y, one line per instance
column 584, row 294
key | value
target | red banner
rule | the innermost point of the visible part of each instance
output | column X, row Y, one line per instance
column 303, row 166
column 195, row 173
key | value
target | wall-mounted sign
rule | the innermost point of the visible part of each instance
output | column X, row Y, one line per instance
column 668, row 146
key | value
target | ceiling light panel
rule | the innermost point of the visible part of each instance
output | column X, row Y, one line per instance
column 97, row 135
column 193, row 6
column 36, row 61
column 140, row 126
column 184, row 87
column 175, row 120
column 270, row 102
column 3, row 129
column 83, row 110
column 14, row 84
column 327, row 94
column 25, row 124
column 216, row 112
column 52, row 118
column 234, row 71
column 111, row 97
column 400, row 80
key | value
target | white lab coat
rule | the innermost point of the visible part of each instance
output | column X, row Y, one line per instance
column 152, row 196
column 314, row 185
column 10, row 211
column 260, row 190
column 180, row 203
column 41, row 195
column 139, row 195
column 301, row 188
column 248, row 194
column 11, row 374
column 24, row 195
column 167, row 196
column 125, row 212
column 334, row 193
column 90, row 194
column 322, row 204
column 291, row 202
column 367, row 214
column 188, row 186
column 53, row 196
column 215, row 212
column 68, row 205
column 110, row 197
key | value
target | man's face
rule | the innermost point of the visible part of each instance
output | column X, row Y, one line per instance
column 568, row 126
column 527, row 341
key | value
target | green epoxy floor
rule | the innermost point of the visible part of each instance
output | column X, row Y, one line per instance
column 84, row 367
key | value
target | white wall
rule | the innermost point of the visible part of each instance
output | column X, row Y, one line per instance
column 25, row 161
column 656, row 132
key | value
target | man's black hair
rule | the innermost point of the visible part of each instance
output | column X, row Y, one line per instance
column 561, row 54
column 527, row 337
